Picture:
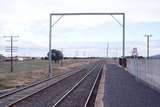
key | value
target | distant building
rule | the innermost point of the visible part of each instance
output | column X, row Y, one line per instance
column 18, row 58
column 22, row 58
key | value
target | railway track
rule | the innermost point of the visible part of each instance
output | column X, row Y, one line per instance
column 50, row 92
column 80, row 94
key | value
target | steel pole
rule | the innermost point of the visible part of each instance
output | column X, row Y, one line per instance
column 148, row 36
column 123, row 50
column 11, row 54
column 147, row 46
column 107, row 49
column 50, row 40
column 123, row 53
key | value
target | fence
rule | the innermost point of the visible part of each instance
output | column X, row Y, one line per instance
column 147, row 70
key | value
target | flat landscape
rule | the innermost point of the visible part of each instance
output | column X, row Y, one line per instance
column 26, row 72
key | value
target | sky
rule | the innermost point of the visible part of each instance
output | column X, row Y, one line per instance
column 79, row 35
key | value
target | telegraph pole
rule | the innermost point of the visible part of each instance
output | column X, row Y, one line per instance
column 11, row 48
column 148, row 36
column 117, row 52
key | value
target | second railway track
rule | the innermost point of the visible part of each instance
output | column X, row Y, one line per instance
column 53, row 94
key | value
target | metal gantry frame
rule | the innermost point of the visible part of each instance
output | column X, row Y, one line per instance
column 75, row 14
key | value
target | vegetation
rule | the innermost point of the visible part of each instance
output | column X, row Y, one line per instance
column 26, row 72
column 56, row 55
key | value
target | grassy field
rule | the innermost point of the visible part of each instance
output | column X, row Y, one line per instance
column 26, row 72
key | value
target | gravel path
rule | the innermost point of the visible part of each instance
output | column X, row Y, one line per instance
column 122, row 90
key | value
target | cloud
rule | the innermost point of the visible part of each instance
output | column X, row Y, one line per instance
column 30, row 20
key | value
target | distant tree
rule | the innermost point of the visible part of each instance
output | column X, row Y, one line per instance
column 56, row 55
column 33, row 58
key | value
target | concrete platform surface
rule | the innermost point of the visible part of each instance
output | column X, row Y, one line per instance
column 123, row 90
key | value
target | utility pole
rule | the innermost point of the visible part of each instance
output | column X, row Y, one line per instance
column 50, row 51
column 123, row 52
column 117, row 52
column 107, row 49
column 84, row 54
column 11, row 48
column 11, row 53
column 76, row 54
column 62, row 57
column 148, row 36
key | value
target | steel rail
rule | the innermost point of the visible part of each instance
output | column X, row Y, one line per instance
column 29, row 86
column 30, row 95
column 89, row 96
column 34, row 84
column 73, row 88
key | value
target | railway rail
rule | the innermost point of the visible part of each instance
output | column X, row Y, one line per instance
column 80, row 94
column 50, row 92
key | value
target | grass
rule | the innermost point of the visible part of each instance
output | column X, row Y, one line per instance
column 19, row 66
column 26, row 72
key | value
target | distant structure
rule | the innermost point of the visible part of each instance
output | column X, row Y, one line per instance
column 135, row 52
column 56, row 55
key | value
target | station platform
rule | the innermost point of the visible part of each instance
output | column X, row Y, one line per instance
column 118, row 88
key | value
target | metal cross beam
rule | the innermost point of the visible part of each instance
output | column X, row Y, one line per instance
column 54, row 14
column 73, row 14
